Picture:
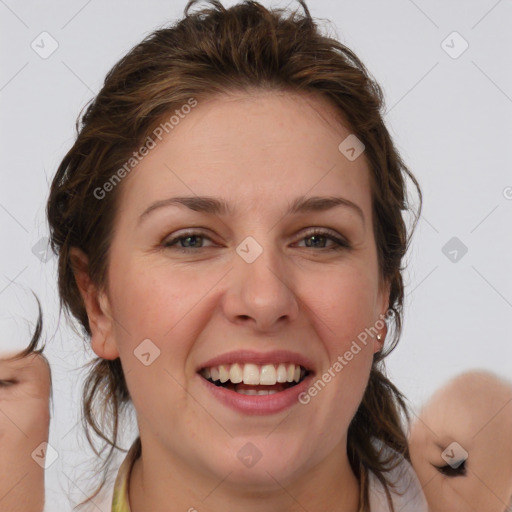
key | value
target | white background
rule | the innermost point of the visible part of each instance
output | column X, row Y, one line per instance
column 450, row 118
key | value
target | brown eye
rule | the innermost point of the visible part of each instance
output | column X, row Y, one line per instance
column 7, row 383
column 450, row 471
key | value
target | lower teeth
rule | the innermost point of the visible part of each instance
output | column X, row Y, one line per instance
column 249, row 391
column 256, row 392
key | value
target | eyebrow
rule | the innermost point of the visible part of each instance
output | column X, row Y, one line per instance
column 213, row 205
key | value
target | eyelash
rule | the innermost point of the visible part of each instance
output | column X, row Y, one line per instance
column 6, row 383
column 452, row 472
column 340, row 243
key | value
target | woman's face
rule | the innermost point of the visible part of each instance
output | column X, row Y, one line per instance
column 474, row 411
column 24, row 424
column 190, row 287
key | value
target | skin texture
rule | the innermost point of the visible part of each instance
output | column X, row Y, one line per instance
column 474, row 410
column 259, row 152
column 24, row 424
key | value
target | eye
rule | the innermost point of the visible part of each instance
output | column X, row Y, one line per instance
column 191, row 240
column 451, row 472
column 318, row 235
column 7, row 383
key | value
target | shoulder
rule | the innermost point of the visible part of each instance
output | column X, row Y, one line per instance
column 407, row 495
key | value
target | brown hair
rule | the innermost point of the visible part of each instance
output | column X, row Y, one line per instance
column 34, row 344
column 211, row 51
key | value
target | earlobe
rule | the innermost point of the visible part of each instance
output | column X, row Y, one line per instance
column 381, row 324
column 97, row 306
column 378, row 342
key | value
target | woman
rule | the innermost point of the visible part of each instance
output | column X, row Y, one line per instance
column 254, row 363
column 25, row 389
column 461, row 444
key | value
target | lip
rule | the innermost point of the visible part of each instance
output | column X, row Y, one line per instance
column 258, row 404
column 260, row 358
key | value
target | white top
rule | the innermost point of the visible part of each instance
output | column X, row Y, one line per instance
column 406, row 497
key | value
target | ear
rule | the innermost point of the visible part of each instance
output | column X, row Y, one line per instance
column 382, row 309
column 101, row 323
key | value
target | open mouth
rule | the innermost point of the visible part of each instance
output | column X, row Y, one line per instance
column 253, row 379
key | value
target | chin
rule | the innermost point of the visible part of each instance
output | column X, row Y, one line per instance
column 261, row 478
column 259, row 469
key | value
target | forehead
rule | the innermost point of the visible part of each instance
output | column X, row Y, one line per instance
column 259, row 148
column 33, row 364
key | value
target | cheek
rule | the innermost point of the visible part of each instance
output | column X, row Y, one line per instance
column 344, row 303
column 443, row 494
column 492, row 474
column 459, row 494
column 156, row 324
column 24, row 425
column 152, row 299
column 21, row 474
column 341, row 309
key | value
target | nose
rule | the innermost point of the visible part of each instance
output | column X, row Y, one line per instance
column 261, row 294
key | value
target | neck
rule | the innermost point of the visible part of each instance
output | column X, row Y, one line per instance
column 159, row 481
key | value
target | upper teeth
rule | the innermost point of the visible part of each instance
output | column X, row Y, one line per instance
column 253, row 374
